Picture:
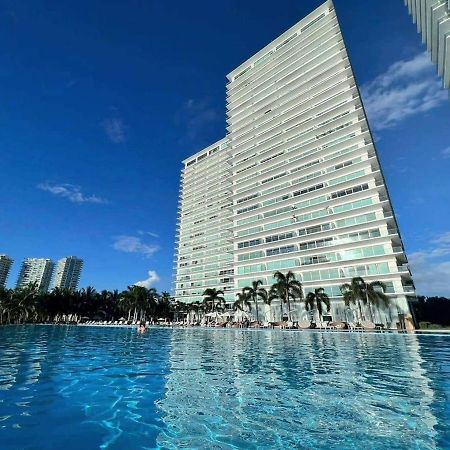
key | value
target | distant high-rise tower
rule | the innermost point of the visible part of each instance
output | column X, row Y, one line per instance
column 5, row 266
column 68, row 273
column 433, row 21
column 36, row 270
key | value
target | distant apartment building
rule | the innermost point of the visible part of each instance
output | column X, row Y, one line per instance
column 68, row 272
column 36, row 270
column 432, row 18
column 5, row 266
column 296, row 184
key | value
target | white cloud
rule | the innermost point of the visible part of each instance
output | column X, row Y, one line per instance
column 114, row 129
column 196, row 116
column 431, row 267
column 148, row 233
column 71, row 192
column 153, row 278
column 446, row 152
column 134, row 244
column 407, row 88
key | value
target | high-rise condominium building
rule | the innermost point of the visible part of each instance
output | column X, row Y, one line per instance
column 204, row 257
column 432, row 18
column 308, row 194
column 68, row 272
column 36, row 270
column 5, row 266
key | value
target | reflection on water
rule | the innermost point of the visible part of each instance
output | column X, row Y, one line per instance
column 271, row 389
column 68, row 387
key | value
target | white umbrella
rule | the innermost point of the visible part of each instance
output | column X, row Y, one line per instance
column 240, row 315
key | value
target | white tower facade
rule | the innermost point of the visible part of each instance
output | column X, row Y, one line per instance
column 5, row 266
column 36, row 270
column 204, row 248
column 308, row 194
column 432, row 18
column 68, row 272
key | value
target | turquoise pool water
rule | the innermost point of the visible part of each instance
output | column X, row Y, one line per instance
column 71, row 388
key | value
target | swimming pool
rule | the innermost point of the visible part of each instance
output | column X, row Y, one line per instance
column 64, row 387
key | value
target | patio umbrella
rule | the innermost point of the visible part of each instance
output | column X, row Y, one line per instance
column 241, row 315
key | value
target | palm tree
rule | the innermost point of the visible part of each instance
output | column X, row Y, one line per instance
column 25, row 302
column 315, row 299
column 288, row 287
column 243, row 299
column 376, row 296
column 136, row 299
column 274, row 294
column 211, row 296
column 254, row 292
column 196, row 308
column 358, row 291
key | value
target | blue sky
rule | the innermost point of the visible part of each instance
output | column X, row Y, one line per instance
column 100, row 102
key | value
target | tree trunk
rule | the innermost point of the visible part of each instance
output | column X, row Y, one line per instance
column 256, row 305
column 360, row 310
column 289, row 307
column 371, row 312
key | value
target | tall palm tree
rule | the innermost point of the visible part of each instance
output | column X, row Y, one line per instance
column 358, row 291
column 25, row 302
column 275, row 293
column 288, row 287
column 136, row 298
column 196, row 308
column 314, row 300
column 254, row 291
column 243, row 300
column 211, row 296
column 376, row 296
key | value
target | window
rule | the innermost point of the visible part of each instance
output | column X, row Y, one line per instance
column 281, row 250
column 349, row 191
column 248, row 208
column 251, row 269
column 276, row 200
column 315, row 229
column 275, row 177
column 253, row 255
column 279, row 237
column 250, row 197
column 286, row 264
column 308, row 189
column 313, row 22
column 249, row 220
column 249, row 231
column 316, row 244
column 251, row 243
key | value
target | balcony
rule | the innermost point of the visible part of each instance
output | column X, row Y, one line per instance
column 409, row 289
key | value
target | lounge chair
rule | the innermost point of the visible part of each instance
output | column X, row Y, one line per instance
column 368, row 326
column 280, row 325
column 304, row 324
column 337, row 325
